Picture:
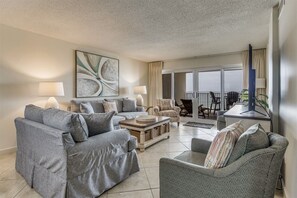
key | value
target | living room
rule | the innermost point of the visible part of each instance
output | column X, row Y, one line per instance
column 39, row 41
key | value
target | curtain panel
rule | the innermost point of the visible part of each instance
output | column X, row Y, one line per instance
column 259, row 64
column 155, row 82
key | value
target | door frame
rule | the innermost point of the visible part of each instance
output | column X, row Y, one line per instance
column 195, row 71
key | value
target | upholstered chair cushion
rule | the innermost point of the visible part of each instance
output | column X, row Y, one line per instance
column 129, row 105
column 253, row 139
column 222, row 146
column 67, row 121
column 99, row 122
column 86, row 107
column 168, row 113
column 110, row 106
column 34, row 113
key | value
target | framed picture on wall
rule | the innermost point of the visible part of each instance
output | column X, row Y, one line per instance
column 96, row 75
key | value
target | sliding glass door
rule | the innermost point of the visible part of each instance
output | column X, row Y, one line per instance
column 209, row 88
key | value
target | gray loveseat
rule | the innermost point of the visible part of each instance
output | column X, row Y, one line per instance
column 55, row 165
column 97, row 105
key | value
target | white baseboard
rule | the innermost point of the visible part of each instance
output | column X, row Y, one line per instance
column 8, row 150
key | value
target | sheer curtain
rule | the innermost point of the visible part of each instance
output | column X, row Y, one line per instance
column 155, row 82
column 259, row 64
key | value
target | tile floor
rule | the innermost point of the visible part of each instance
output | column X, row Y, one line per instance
column 144, row 184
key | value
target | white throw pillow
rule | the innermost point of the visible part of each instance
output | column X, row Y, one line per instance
column 110, row 106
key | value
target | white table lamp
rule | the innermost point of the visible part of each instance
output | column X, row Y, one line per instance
column 139, row 90
column 51, row 89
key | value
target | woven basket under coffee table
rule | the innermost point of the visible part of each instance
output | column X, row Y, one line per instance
column 148, row 131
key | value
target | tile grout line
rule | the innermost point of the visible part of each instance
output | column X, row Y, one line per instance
column 20, row 190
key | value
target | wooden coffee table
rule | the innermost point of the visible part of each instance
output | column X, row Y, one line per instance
column 148, row 133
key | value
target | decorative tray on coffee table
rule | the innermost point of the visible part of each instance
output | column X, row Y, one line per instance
column 146, row 119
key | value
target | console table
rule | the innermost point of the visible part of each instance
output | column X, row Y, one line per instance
column 248, row 119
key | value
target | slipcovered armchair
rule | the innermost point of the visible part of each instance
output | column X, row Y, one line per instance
column 166, row 107
column 252, row 175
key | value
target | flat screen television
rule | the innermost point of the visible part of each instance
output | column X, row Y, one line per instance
column 252, row 81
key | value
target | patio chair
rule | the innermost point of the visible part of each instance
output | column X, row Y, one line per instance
column 187, row 103
column 232, row 98
column 215, row 101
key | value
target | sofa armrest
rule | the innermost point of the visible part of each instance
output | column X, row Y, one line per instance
column 200, row 145
column 177, row 109
column 38, row 134
column 45, row 146
column 140, row 109
column 132, row 144
column 156, row 109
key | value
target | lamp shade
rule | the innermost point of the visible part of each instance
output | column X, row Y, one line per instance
column 51, row 89
column 260, row 83
column 140, row 90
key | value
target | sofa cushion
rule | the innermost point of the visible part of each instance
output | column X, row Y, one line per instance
column 131, row 115
column 110, row 106
column 67, row 121
column 96, row 104
column 119, row 103
column 222, row 146
column 192, row 157
column 129, row 105
column 116, row 119
column 34, row 113
column 86, row 107
column 253, row 139
column 98, row 151
column 99, row 122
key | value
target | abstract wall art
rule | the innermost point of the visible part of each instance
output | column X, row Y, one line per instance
column 96, row 75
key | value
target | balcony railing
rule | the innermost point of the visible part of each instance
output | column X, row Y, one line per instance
column 204, row 97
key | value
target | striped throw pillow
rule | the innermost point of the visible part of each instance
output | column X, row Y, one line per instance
column 222, row 146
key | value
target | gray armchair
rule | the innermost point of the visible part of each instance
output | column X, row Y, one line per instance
column 253, row 175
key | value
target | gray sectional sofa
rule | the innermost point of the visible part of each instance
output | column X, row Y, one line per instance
column 58, row 158
column 97, row 105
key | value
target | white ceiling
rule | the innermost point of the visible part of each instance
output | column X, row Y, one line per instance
column 147, row 30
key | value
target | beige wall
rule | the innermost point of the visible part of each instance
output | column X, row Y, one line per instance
column 27, row 58
column 288, row 100
column 213, row 61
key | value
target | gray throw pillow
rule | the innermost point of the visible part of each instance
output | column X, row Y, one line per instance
column 129, row 105
column 97, row 106
column 67, row 121
column 86, row 107
column 34, row 113
column 99, row 122
column 253, row 139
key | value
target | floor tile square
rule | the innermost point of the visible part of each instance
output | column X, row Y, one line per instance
column 153, row 176
column 137, row 181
